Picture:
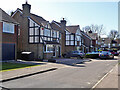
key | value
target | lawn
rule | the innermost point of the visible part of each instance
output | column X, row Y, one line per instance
column 8, row 66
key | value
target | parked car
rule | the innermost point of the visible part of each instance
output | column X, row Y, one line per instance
column 115, row 53
column 94, row 54
column 78, row 54
column 106, row 55
column 118, row 51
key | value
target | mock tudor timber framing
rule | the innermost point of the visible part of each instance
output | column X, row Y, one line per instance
column 42, row 36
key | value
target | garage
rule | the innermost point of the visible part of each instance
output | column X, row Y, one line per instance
column 8, row 51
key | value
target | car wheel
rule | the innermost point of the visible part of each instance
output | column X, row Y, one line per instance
column 65, row 56
column 78, row 57
column 81, row 57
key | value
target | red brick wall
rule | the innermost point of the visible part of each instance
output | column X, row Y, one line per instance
column 9, row 37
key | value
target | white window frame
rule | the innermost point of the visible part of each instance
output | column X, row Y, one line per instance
column 8, row 28
column 47, row 49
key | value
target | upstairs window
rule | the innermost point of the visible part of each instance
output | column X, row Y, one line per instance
column 46, row 32
column 54, row 34
column 8, row 27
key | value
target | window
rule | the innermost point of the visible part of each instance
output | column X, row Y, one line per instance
column 19, row 31
column 41, row 40
column 34, row 35
column 48, row 48
column 78, row 38
column 72, row 37
column 31, row 23
column 36, row 31
column 72, row 42
column 54, row 34
column 67, row 42
column 57, row 34
column 46, row 32
column 41, row 31
column 36, row 39
column 31, row 39
column 8, row 27
column 75, row 42
column 67, row 37
column 31, row 31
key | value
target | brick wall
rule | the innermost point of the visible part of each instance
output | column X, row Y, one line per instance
column 9, row 37
column 23, row 44
column 70, row 48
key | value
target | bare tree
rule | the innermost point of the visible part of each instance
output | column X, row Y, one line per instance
column 95, row 29
column 113, row 34
column 86, row 28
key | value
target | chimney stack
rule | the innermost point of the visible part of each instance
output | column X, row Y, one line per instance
column 63, row 24
column 26, row 9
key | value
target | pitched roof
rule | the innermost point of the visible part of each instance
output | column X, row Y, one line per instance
column 7, row 18
column 72, row 28
column 55, row 27
column 85, row 34
column 38, row 19
column 93, row 35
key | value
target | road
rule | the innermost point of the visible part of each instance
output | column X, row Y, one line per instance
column 84, row 75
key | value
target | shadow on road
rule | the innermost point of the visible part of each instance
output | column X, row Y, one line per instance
column 68, row 61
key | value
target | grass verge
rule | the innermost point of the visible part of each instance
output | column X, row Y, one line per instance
column 9, row 66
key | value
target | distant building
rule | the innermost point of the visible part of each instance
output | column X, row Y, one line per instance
column 8, row 37
column 108, row 43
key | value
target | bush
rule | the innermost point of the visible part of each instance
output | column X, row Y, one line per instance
column 92, row 55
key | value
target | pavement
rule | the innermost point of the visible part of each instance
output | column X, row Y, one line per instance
column 111, row 79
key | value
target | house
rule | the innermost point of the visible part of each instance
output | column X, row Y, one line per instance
column 104, row 43
column 8, row 36
column 73, row 38
column 118, row 43
column 36, row 35
column 95, row 38
column 86, row 42
column 70, row 36
column 108, row 43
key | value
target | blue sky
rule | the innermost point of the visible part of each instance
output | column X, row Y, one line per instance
column 76, row 13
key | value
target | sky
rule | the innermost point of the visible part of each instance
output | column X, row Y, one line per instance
column 76, row 12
